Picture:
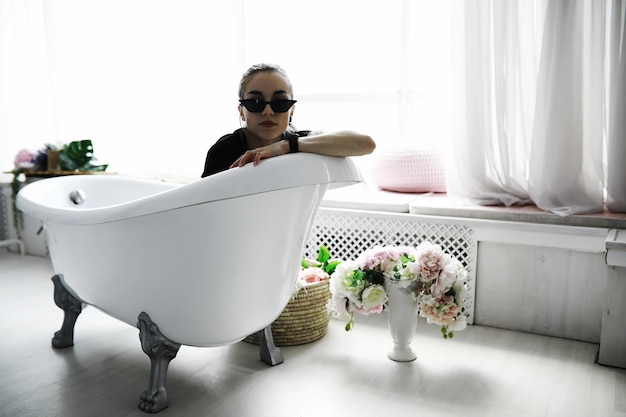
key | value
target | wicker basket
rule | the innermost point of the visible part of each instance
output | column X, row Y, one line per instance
column 304, row 320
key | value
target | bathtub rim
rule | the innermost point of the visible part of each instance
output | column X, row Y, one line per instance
column 268, row 176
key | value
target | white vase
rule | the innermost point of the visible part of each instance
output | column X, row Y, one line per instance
column 402, row 313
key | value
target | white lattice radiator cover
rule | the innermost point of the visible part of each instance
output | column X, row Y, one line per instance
column 347, row 233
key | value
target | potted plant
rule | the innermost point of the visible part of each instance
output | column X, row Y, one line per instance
column 72, row 158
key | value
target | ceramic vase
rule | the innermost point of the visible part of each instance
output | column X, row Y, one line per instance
column 402, row 313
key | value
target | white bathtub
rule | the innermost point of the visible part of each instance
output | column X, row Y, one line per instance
column 208, row 262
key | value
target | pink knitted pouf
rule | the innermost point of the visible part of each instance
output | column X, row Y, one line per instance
column 409, row 171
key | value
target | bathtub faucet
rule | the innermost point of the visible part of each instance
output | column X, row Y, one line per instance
column 77, row 196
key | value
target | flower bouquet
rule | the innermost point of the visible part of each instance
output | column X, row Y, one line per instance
column 432, row 277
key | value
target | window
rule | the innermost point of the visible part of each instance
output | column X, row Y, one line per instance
column 154, row 83
column 380, row 67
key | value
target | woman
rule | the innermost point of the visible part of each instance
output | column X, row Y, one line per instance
column 266, row 108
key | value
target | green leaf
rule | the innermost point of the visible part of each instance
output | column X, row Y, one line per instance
column 450, row 292
column 350, row 324
column 331, row 266
column 77, row 156
column 354, row 278
column 375, row 277
column 323, row 255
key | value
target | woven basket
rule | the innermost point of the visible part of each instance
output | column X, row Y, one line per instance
column 304, row 320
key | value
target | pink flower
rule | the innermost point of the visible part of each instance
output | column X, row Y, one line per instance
column 374, row 310
column 395, row 252
column 24, row 159
column 312, row 274
column 445, row 279
column 441, row 311
column 379, row 257
column 430, row 260
column 372, row 258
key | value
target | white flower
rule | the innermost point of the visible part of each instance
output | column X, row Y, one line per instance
column 337, row 306
column 461, row 292
column 461, row 272
column 404, row 273
column 458, row 324
column 373, row 297
column 343, row 282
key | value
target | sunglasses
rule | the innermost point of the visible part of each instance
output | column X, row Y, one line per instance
column 279, row 105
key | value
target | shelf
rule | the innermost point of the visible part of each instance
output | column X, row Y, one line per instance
column 49, row 174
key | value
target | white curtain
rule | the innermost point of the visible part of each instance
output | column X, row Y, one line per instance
column 538, row 104
column 616, row 179
column 26, row 116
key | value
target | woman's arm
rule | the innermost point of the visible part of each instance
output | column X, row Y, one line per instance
column 343, row 143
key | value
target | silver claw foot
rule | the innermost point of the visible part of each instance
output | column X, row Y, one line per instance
column 270, row 354
column 161, row 351
column 72, row 307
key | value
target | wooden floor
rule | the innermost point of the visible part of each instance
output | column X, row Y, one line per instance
column 481, row 372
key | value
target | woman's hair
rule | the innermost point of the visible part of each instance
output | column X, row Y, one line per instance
column 262, row 68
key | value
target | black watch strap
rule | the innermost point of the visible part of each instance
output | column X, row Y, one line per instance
column 293, row 144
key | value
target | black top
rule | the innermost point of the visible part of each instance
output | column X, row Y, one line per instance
column 230, row 147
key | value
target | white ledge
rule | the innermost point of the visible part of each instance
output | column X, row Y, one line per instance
column 360, row 197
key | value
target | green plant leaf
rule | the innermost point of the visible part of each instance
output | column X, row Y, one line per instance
column 350, row 323
column 375, row 277
column 331, row 266
column 77, row 156
column 323, row 255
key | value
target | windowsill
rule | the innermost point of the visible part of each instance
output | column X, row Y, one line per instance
column 362, row 197
column 440, row 205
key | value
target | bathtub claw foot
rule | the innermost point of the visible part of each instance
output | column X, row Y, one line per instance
column 270, row 354
column 72, row 307
column 161, row 351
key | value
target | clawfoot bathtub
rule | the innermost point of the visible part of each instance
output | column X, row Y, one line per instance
column 201, row 264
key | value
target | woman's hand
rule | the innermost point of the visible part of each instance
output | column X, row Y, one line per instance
column 263, row 152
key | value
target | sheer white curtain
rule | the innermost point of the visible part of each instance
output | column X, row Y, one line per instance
column 26, row 116
column 537, row 87
column 616, row 179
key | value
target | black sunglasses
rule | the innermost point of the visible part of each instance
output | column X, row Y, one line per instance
column 256, row 105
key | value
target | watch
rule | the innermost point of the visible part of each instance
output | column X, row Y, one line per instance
column 293, row 144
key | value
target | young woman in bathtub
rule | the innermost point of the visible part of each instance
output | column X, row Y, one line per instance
column 266, row 106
